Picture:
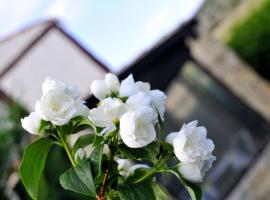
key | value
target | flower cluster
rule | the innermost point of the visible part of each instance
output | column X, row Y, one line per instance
column 131, row 105
column 59, row 103
column 127, row 128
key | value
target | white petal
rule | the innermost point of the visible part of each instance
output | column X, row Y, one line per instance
column 99, row 118
column 57, row 85
column 143, row 86
column 81, row 109
column 99, row 89
column 136, row 131
column 38, row 109
column 31, row 123
column 158, row 99
column 138, row 100
column 108, row 111
column 191, row 172
column 128, row 87
column 112, row 82
column 48, row 85
column 170, row 138
column 192, row 124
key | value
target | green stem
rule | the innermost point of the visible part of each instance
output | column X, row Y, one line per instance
column 146, row 176
column 69, row 155
column 66, row 149
column 160, row 162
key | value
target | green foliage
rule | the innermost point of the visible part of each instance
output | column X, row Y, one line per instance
column 152, row 191
column 33, row 163
column 83, row 141
column 96, row 160
column 250, row 38
column 193, row 189
column 79, row 179
column 98, row 175
column 159, row 192
column 43, row 124
column 148, row 153
column 135, row 192
column 145, row 174
column 13, row 139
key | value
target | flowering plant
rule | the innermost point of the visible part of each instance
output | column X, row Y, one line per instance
column 123, row 146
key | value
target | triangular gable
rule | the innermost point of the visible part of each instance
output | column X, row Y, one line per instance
column 13, row 47
column 54, row 54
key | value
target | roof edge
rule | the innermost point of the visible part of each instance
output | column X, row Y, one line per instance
column 51, row 23
column 58, row 25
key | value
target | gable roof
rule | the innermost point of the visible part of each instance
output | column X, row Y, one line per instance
column 45, row 49
column 27, row 37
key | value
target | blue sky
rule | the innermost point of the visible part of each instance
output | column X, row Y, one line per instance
column 116, row 31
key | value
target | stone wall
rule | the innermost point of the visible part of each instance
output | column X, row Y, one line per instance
column 255, row 184
column 215, row 19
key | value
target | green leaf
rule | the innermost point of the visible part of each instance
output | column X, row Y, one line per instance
column 124, row 99
column 160, row 126
column 194, row 190
column 79, row 179
column 43, row 190
column 136, row 192
column 148, row 153
column 112, row 195
column 43, row 125
column 98, row 140
column 83, row 141
column 166, row 146
column 146, row 173
column 159, row 192
column 33, row 163
column 81, row 123
column 79, row 128
column 96, row 160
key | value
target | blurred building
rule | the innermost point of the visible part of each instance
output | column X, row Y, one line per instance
column 44, row 49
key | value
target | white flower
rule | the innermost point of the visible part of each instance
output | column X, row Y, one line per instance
column 99, row 89
column 60, row 102
column 56, row 85
column 108, row 113
column 138, row 100
column 154, row 99
column 195, row 172
column 112, row 82
column 103, row 88
column 127, row 167
column 129, row 87
column 31, row 123
column 123, row 166
column 136, row 128
column 158, row 100
column 191, row 146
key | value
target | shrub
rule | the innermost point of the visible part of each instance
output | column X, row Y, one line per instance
column 250, row 38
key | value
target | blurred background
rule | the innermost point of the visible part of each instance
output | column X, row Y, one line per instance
column 212, row 57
